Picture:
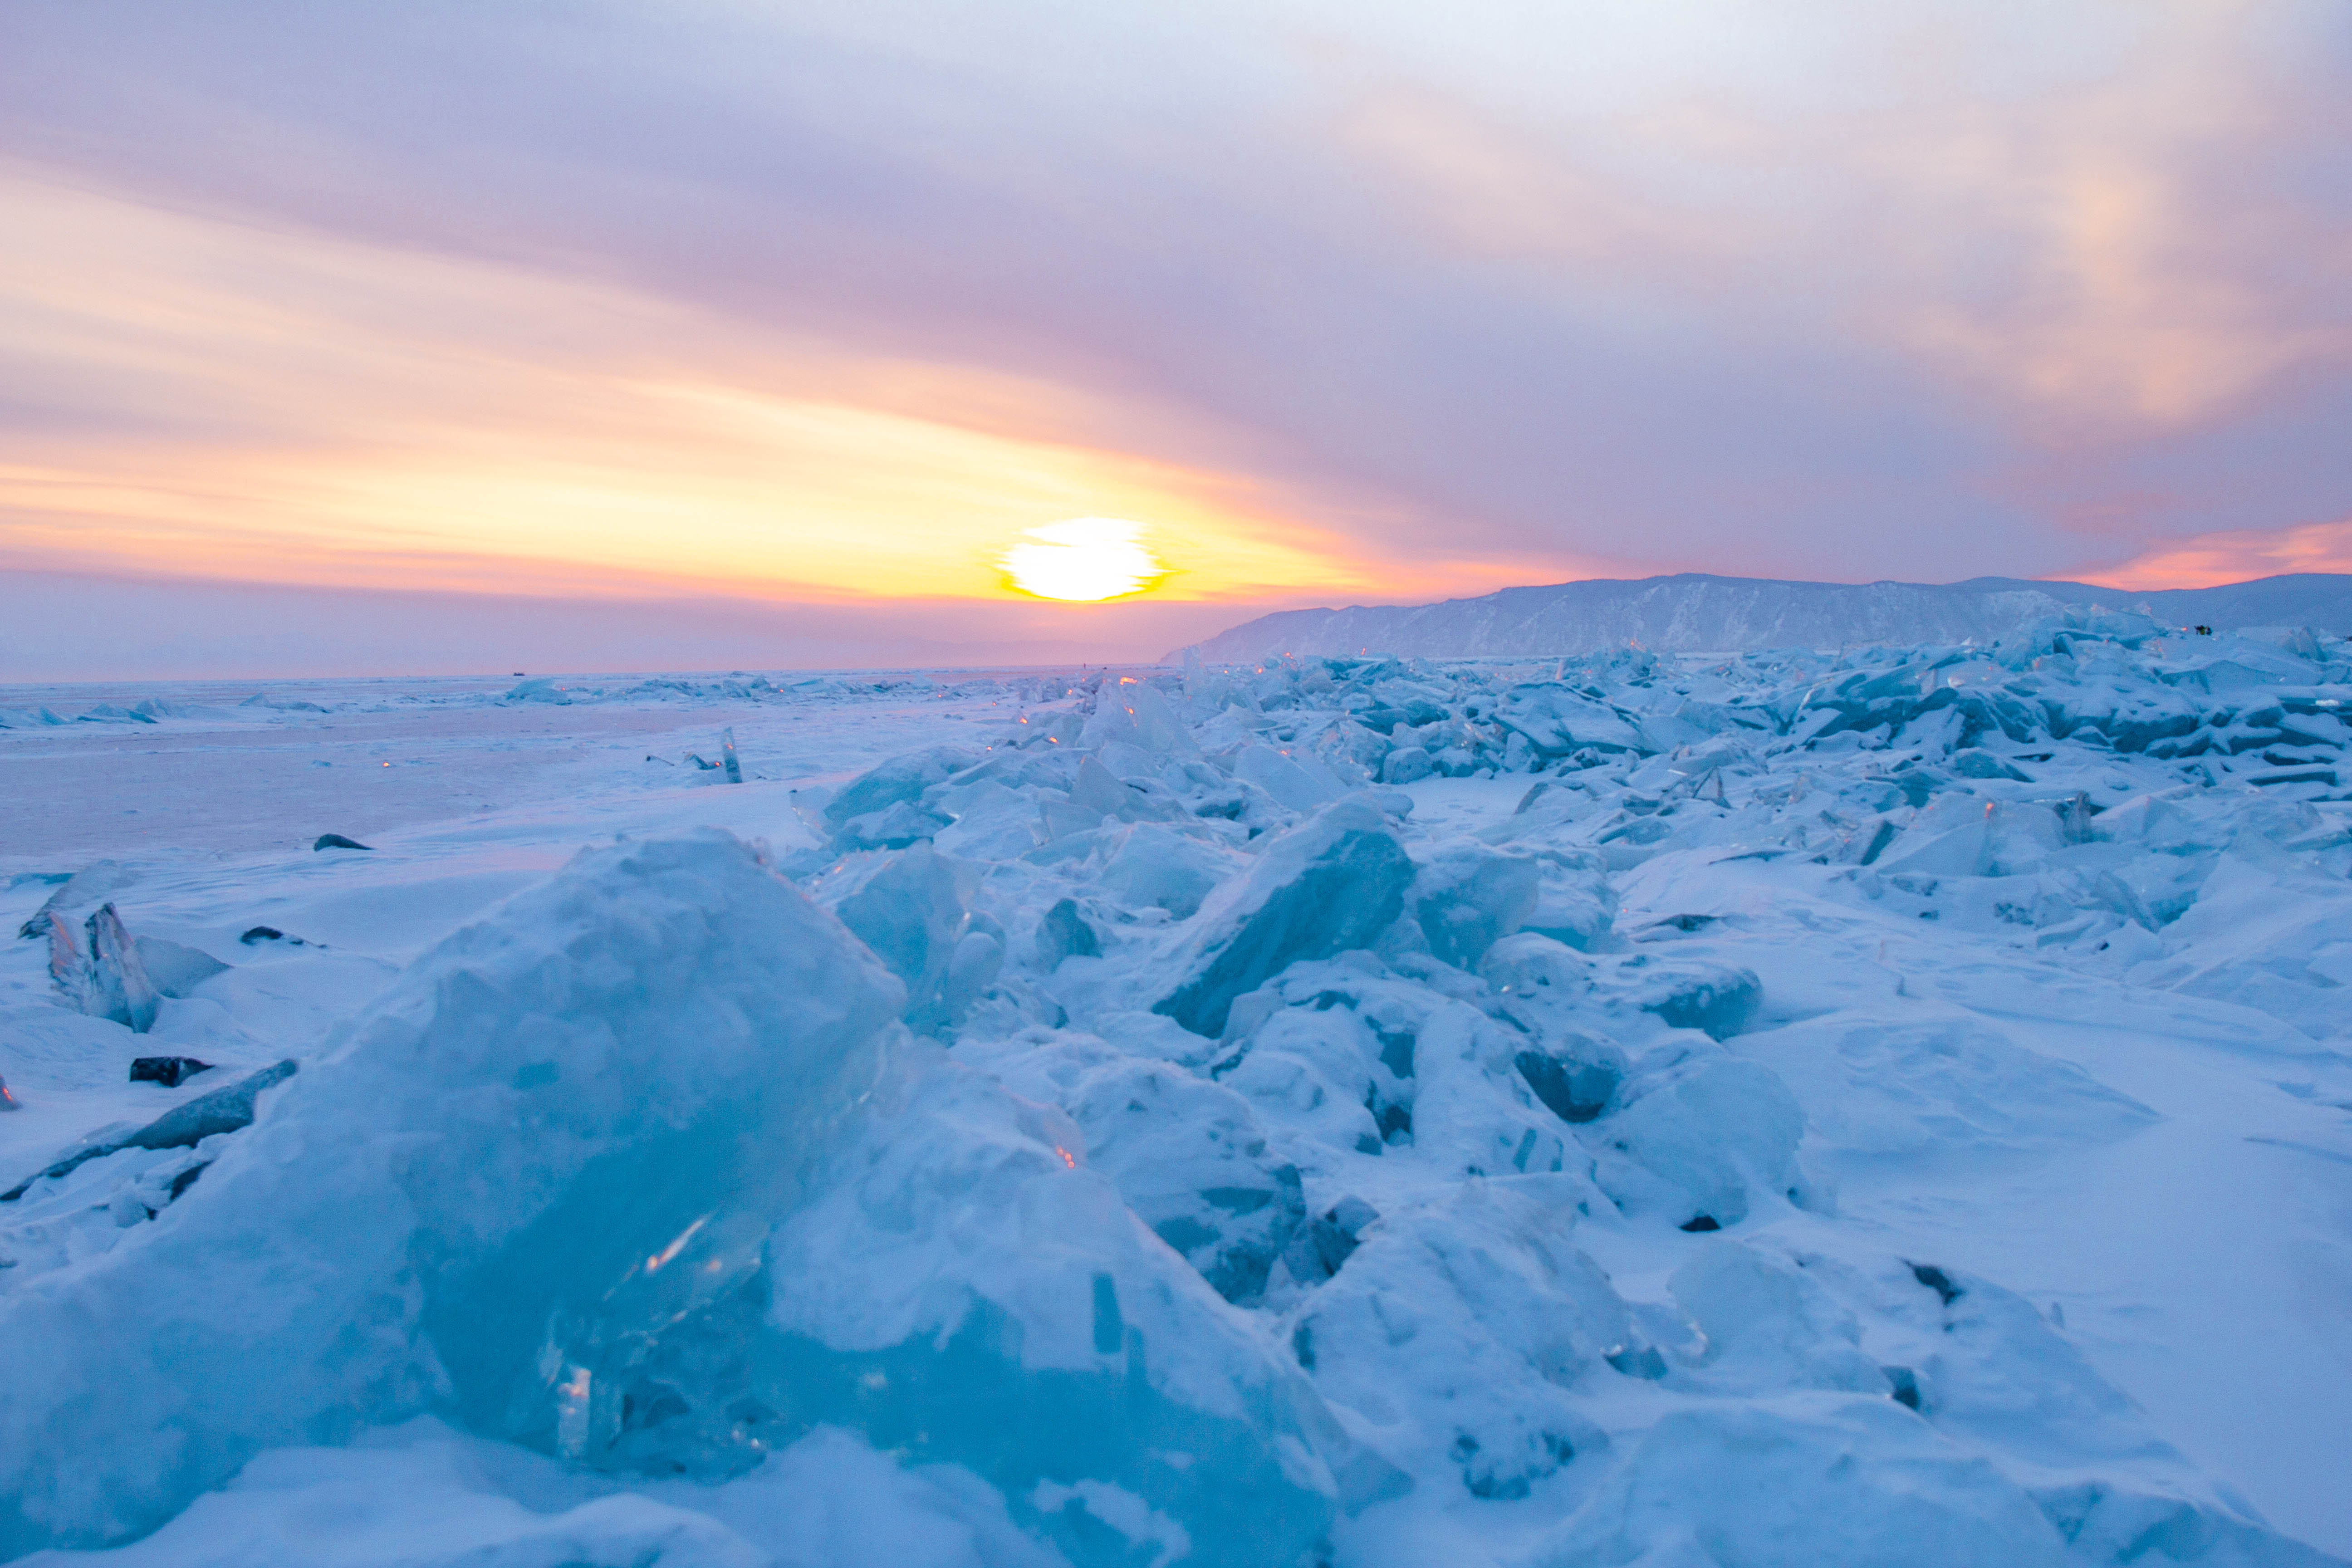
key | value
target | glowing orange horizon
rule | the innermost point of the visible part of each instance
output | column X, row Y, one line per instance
column 2236, row 555
column 402, row 421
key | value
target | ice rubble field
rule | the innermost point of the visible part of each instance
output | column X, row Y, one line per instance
column 1797, row 1109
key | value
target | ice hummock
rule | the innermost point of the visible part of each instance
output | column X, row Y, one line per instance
column 641, row 1171
column 645, row 1020
column 1800, row 1106
column 1330, row 884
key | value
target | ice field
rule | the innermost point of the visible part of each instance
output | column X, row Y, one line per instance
column 1864, row 1107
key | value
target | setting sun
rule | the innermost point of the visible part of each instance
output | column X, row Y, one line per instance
column 1087, row 558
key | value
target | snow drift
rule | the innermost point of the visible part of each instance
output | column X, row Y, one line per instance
column 1346, row 1110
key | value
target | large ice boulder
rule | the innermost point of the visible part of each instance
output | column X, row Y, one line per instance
column 640, row 1171
column 118, row 986
column 1187, row 1155
column 881, row 807
column 1313, row 1077
column 1330, row 884
column 1957, row 835
column 1133, row 712
column 1474, row 1111
column 964, row 1289
column 1769, row 1326
column 1298, row 779
column 1556, row 721
column 913, row 907
column 1720, row 999
column 537, row 1110
column 1540, row 985
column 1574, row 903
column 1466, row 897
column 1155, row 866
column 1698, row 1141
column 1460, row 1332
column 2130, row 710
column 1407, row 765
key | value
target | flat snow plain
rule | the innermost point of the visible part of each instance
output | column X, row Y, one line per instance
column 1806, row 1109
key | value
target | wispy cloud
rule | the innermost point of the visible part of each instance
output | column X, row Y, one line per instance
column 288, row 407
column 1363, row 301
column 2235, row 556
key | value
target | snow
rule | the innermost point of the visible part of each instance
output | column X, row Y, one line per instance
column 1888, row 1105
column 1692, row 611
column 422, row 1493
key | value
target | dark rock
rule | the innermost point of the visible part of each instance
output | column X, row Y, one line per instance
column 168, row 1071
column 1701, row 1225
column 337, row 841
column 1902, row 1385
column 264, row 934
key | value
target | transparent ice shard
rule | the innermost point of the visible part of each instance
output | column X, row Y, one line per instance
column 1330, row 884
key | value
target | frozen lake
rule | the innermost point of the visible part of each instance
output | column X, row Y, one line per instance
column 1749, row 1109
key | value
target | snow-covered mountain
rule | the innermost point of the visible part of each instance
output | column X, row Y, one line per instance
column 1693, row 611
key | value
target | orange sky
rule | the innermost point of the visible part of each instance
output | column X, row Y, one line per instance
column 2234, row 557
column 1339, row 303
column 399, row 421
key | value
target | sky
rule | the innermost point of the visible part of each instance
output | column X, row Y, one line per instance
column 441, row 336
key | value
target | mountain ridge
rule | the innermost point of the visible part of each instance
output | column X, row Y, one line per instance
column 1700, row 612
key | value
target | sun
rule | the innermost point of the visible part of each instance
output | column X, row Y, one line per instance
column 1085, row 559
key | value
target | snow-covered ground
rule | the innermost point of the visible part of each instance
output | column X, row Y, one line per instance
column 1882, row 1107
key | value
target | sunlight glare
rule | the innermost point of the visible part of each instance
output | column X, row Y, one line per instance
column 1087, row 558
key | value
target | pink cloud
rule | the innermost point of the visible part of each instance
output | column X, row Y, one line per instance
column 2234, row 556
